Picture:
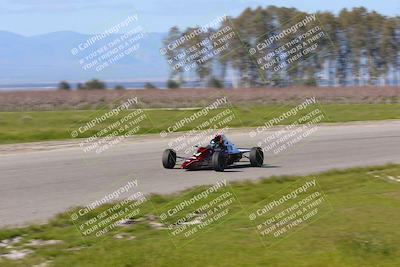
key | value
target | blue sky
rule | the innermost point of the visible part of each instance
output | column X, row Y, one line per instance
column 32, row 17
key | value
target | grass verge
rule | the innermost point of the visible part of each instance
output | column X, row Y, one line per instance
column 360, row 229
column 18, row 127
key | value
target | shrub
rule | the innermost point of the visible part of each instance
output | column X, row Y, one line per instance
column 150, row 86
column 80, row 86
column 94, row 84
column 119, row 87
column 63, row 85
column 215, row 83
column 310, row 81
column 171, row 84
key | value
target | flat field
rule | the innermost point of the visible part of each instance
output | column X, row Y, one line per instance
column 61, row 100
column 355, row 225
column 31, row 126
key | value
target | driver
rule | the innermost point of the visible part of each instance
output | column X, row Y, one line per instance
column 222, row 142
column 217, row 142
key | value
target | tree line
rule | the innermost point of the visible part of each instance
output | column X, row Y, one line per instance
column 363, row 49
column 96, row 84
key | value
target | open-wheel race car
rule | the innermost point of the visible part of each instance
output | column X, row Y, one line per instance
column 218, row 155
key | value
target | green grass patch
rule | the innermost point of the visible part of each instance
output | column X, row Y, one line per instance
column 360, row 229
column 17, row 127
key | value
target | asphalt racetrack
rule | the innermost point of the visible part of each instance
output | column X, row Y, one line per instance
column 40, row 180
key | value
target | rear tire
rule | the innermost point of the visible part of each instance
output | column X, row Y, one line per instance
column 256, row 157
column 169, row 159
column 218, row 161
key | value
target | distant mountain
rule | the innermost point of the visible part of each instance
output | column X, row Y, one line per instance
column 48, row 58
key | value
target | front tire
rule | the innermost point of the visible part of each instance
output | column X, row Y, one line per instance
column 169, row 159
column 218, row 161
column 256, row 157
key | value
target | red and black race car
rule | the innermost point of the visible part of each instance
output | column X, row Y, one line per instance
column 218, row 155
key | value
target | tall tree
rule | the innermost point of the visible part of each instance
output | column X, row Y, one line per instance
column 389, row 48
column 358, row 45
column 172, row 51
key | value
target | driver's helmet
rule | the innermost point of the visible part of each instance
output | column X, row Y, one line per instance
column 217, row 141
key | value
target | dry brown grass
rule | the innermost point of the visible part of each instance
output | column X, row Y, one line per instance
column 56, row 100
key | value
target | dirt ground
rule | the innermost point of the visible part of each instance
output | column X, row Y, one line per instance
column 174, row 98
